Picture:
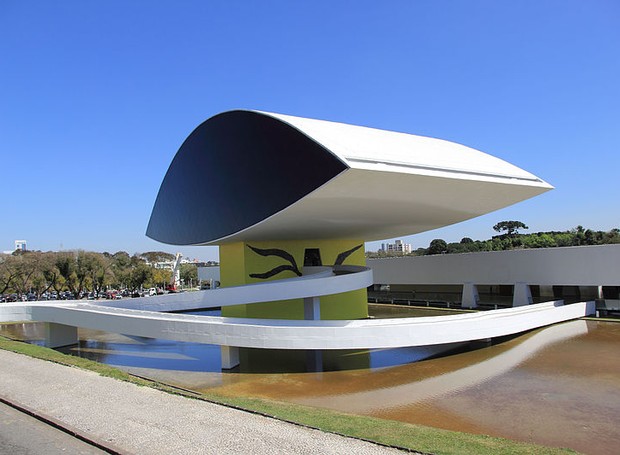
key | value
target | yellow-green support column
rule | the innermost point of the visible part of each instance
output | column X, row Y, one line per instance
column 240, row 264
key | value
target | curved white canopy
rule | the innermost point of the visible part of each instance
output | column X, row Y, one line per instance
column 312, row 179
column 379, row 150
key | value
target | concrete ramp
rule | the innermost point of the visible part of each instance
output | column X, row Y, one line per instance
column 300, row 334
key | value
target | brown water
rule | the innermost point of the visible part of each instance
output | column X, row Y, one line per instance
column 557, row 386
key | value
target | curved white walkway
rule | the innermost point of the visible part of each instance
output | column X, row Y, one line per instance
column 315, row 282
column 297, row 334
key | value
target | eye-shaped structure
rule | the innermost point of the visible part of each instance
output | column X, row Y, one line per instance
column 290, row 202
column 246, row 176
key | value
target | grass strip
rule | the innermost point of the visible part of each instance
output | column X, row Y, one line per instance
column 412, row 437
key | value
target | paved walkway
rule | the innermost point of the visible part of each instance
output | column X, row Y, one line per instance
column 142, row 420
column 21, row 434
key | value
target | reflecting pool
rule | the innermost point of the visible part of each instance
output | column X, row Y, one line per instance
column 556, row 386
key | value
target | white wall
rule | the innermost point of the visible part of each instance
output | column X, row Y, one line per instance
column 578, row 266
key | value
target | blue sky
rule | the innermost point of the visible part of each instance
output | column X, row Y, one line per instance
column 96, row 98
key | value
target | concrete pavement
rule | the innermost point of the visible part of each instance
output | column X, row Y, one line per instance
column 141, row 420
column 21, row 434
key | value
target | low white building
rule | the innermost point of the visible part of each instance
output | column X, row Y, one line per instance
column 570, row 273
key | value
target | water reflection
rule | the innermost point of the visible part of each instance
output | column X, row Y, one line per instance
column 32, row 332
column 557, row 386
column 137, row 352
column 372, row 400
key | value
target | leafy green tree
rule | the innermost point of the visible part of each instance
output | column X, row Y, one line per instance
column 65, row 263
column 540, row 240
column 563, row 239
column 101, row 274
column 589, row 237
column 93, row 271
column 9, row 272
column 121, row 266
column 44, row 273
column 189, row 273
column 437, row 246
column 160, row 278
column 87, row 266
column 139, row 274
column 613, row 236
column 51, row 273
column 509, row 227
column 25, row 266
column 157, row 256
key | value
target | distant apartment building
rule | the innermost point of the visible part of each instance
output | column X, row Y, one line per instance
column 20, row 245
column 167, row 265
column 170, row 265
column 397, row 247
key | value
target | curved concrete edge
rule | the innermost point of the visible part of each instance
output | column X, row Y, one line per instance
column 62, row 426
column 298, row 334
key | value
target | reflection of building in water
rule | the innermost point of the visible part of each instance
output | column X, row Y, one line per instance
column 383, row 398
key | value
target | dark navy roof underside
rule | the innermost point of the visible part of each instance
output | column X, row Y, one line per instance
column 233, row 171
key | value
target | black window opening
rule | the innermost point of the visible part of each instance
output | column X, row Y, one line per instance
column 312, row 257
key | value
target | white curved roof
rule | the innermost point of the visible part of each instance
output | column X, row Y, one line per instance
column 270, row 176
column 380, row 150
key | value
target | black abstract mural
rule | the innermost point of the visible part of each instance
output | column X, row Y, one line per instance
column 292, row 264
column 345, row 254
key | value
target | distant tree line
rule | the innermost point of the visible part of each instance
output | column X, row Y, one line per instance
column 81, row 272
column 511, row 239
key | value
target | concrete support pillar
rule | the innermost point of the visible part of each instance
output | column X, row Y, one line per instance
column 522, row 295
column 599, row 292
column 230, row 357
column 59, row 335
column 312, row 308
column 312, row 312
column 314, row 361
column 470, row 297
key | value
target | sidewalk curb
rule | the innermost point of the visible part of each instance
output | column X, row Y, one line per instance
column 65, row 428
